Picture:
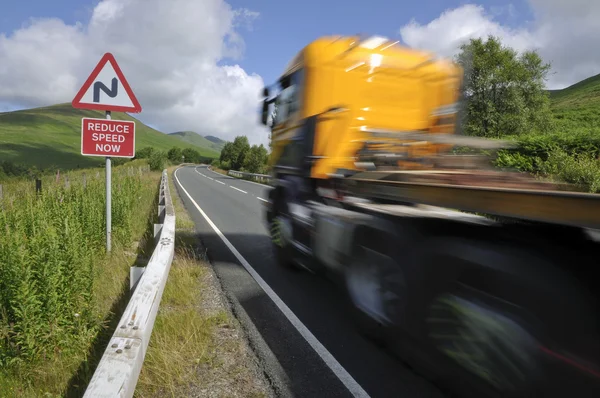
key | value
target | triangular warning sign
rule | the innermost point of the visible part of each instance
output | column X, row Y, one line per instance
column 106, row 89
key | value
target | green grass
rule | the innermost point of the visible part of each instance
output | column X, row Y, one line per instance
column 577, row 105
column 196, row 348
column 51, row 136
column 570, row 151
column 214, row 144
column 60, row 294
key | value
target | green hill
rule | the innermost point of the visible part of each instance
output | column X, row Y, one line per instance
column 216, row 140
column 209, row 142
column 51, row 136
column 578, row 104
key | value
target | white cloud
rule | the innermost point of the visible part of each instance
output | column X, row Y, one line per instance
column 565, row 34
column 171, row 52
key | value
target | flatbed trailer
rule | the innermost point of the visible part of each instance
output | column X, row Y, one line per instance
column 504, row 198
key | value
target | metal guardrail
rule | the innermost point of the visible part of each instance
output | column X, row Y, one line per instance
column 261, row 178
column 118, row 371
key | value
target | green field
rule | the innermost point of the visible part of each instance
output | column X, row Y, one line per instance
column 210, row 142
column 51, row 136
column 578, row 105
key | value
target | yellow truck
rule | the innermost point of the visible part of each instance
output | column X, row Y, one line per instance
column 484, row 281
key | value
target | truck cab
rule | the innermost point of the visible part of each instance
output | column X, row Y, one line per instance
column 338, row 90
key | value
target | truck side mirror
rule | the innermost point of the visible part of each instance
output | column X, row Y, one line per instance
column 265, row 111
column 265, row 107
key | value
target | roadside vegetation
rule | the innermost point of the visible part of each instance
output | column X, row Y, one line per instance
column 557, row 134
column 60, row 293
column 197, row 347
column 239, row 155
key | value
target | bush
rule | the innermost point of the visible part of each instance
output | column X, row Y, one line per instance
column 225, row 165
column 13, row 169
column 157, row 161
column 572, row 158
column 174, row 154
column 144, row 153
column 517, row 161
column 574, row 142
column 191, row 155
column 582, row 170
column 119, row 161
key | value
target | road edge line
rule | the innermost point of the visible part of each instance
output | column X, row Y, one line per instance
column 347, row 380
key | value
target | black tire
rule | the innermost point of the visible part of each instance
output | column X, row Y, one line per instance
column 375, row 284
column 282, row 249
column 492, row 295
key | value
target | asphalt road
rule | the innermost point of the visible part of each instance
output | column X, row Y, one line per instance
column 297, row 322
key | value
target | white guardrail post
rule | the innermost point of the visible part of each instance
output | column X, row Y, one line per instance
column 118, row 371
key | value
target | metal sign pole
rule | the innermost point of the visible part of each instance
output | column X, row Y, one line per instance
column 108, row 199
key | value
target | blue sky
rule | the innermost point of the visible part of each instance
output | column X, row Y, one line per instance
column 284, row 27
column 173, row 56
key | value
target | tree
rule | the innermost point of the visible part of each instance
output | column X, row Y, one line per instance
column 144, row 153
column 240, row 149
column 504, row 92
column 174, row 154
column 256, row 159
column 226, row 152
column 191, row 155
column 234, row 153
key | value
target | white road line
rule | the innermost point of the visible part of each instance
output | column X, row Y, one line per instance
column 210, row 178
column 237, row 189
column 252, row 182
column 222, row 175
column 240, row 179
column 220, row 182
column 264, row 200
column 202, row 174
column 341, row 373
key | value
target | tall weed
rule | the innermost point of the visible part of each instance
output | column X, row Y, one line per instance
column 50, row 248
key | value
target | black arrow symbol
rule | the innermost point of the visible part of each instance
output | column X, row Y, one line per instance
column 112, row 93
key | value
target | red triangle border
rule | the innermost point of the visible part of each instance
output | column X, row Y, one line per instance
column 108, row 57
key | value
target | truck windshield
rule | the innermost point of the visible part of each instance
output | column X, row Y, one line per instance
column 287, row 102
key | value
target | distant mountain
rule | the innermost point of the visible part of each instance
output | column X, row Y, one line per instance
column 51, row 135
column 209, row 142
column 214, row 139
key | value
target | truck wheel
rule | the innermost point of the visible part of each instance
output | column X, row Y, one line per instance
column 485, row 342
column 480, row 308
column 375, row 285
column 280, row 228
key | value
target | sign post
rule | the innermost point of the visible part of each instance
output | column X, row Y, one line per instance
column 106, row 137
column 108, row 171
